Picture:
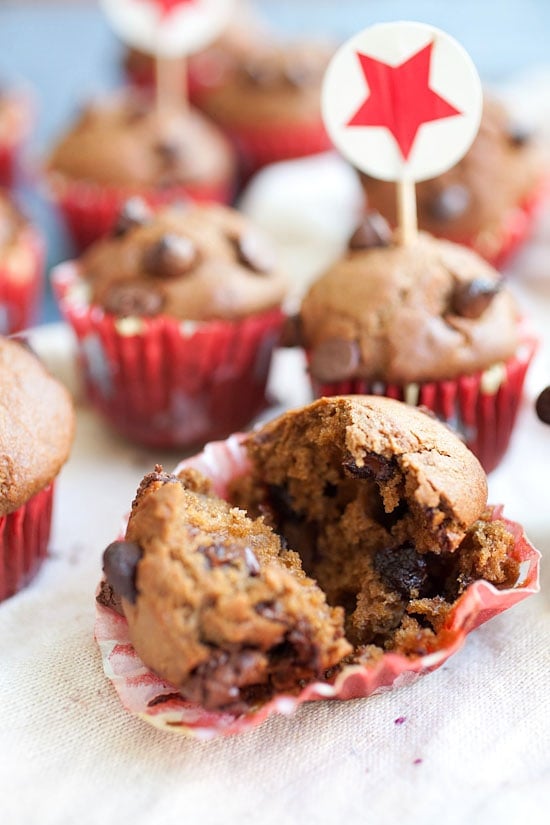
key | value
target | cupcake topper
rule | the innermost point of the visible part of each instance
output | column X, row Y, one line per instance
column 168, row 29
column 402, row 101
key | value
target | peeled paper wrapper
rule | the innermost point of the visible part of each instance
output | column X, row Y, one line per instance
column 90, row 209
column 144, row 694
column 169, row 383
column 481, row 407
column 24, row 536
column 21, row 283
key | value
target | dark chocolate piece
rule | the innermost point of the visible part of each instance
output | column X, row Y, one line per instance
column 403, row 569
column 253, row 251
column 261, row 73
column 169, row 152
column 133, row 299
column 134, row 212
column 173, row 256
column 373, row 231
column 217, row 682
column 221, row 554
column 291, row 335
column 542, row 406
column 120, row 561
column 450, row 203
column 374, row 466
column 334, row 360
column 471, row 299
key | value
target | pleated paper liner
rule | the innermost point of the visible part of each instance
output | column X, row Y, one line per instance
column 90, row 210
column 167, row 383
column 481, row 407
column 143, row 694
column 24, row 536
column 22, row 283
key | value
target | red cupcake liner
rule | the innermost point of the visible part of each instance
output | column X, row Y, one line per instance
column 147, row 696
column 22, row 284
column 164, row 382
column 259, row 146
column 9, row 162
column 90, row 210
column 24, row 536
column 517, row 227
column 483, row 415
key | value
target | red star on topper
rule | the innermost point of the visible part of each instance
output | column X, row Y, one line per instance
column 166, row 7
column 400, row 98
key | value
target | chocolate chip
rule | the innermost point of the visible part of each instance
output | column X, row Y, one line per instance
column 108, row 598
column 374, row 466
column 133, row 299
column 134, row 212
column 216, row 683
column 519, row 135
column 299, row 75
column 173, row 256
column 450, row 203
column 334, row 360
column 255, row 252
column 471, row 299
column 218, row 555
column 373, row 231
column 403, row 569
column 120, row 561
column 542, row 406
column 169, row 152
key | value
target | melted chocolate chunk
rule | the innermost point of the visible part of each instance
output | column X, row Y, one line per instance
column 300, row 75
column 374, row 466
column 108, row 598
column 450, row 203
column 221, row 554
column 255, row 252
column 134, row 212
column 261, row 73
column 470, row 300
column 217, row 682
column 373, row 231
column 542, row 406
column 170, row 257
column 334, row 360
column 120, row 561
column 133, row 299
column 403, row 569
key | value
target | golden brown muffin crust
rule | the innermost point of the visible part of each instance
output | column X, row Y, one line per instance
column 401, row 308
column 36, row 426
column 126, row 141
column 194, row 263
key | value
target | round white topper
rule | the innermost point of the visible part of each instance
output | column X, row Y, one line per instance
column 168, row 28
column 402, row 101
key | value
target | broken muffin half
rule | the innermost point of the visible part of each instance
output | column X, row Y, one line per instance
column 356, row 526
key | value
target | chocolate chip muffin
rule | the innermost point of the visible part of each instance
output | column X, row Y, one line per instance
column 33, row 448
column 177, row 313
column 127, row 145
column 270, row 102
column 486, row 201
column 430, row 323
column 21, row 268
column 377, row 501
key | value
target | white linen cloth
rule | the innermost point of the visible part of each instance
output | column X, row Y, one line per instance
column 468, row 743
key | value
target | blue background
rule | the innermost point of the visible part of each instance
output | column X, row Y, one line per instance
column 66, row 52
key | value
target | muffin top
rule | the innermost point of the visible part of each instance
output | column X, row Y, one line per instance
column 468, row 202
column 127, row 141
column 194, row 263
column 426, row 311
column 274, row 82
column 36, row 426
